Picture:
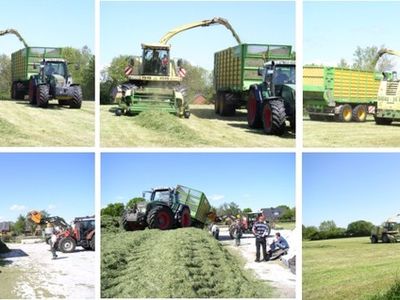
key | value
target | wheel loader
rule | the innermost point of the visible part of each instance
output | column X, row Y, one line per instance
column 167, row 208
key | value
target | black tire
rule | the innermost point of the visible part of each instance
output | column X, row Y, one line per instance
column 67, row 245
column 160, row 217
column 32, row 92
column 186, row 113
column 76, row 93
column 273, row 117
column 227, row 105
column 383, row 121
column 13, row 91
column 345, row 113
column 360, row 113
column 92, row 243
column 374, row 239
column 217, row 103
column 118, row 112
column 385, row 238
column 42, row 96
column 253, row 110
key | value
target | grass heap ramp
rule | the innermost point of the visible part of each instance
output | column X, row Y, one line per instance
column 3, row 247
column 181, row 263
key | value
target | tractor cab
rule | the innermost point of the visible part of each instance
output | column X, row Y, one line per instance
column 155, row 60
column 276, row 74
column 84, row 227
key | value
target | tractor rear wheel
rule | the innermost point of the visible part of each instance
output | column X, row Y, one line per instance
column 253, row 110
column 32, row 92
column 374, row 239
column 67, row 245
column 92, row 243
column 359, row 113
column 383, row 121
column 42, row 95
column 227, row 105
column 274, row 117
column 160, row 217
column 185, row 218
column 76, row 101
column 345, row 113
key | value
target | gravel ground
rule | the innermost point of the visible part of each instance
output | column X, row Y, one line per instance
column 71, row 275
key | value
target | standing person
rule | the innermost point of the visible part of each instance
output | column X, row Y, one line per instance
column 53, row 241
column 215, row 231
column 260, row 230
column 237, row 232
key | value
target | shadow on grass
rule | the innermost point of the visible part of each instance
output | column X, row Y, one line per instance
column 51, row 106
column 204, row 113
column 288, row 134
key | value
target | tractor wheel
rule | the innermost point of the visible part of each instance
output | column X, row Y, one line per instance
column 32, row 92
column 185, row 218
column 42, row 95
column 345, row 113
column 374, row 239
column 92, row 243
column 385, row 239
column 273, row 117
column 227, row 105
column 76, row 101
column 186, row 113
column 217, row 103
column 67, row 245
column 253, row 111
column 383, row 121
column 160, row 217
column 118, row 112
column 359, row 113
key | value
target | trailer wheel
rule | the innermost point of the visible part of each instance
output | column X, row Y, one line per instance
column 92, row 243
column 42, row 96
column 383, row 121
column 76, row 101
column 67, row 245
column 185, row 218
column 374, row 239
column 160, row 217
column 359, row 113
column 345, row 113
column 13, row 91
column 274, row 117
column 253, row 111
column 227, row 105
column 217, row 103
column 32, row 92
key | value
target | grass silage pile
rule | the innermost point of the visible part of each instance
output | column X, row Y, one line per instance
column 185, row 263
column 3, row 247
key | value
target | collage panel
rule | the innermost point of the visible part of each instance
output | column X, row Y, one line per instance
column 350, row 75
column 47, row 226
column 47, row 73
column 209, row 75
column 171, row 227
column 351, row 223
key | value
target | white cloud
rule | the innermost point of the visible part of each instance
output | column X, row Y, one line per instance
column 216, row 197
column 17, row 207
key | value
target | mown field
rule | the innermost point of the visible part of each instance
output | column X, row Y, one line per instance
column 181, row 263
column 23, row 125
column 349, row 269
column 334, row 134
column 203, row 129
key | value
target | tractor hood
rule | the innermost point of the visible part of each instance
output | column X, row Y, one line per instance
column 58, row 80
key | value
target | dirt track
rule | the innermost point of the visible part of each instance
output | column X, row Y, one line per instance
column 31, row 273
column 275, row 272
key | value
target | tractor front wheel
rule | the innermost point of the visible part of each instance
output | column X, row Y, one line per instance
column 92, row 243
column 76, row 93
column 32, row 92
column 273, row 117
column 67, row 245
column 42, row 96
column 359, row 113
column 160, row 217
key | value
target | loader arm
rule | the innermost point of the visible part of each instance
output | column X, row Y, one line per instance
column 37, row 218
column 384, row 51
column 164, row 40
column 13, row 31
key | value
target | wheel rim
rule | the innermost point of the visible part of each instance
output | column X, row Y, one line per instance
column 267, row 117
column 361, row 114
column 347, row 113
column 163, row 220
column 251, row 108
column 68, row 245
column 185, row 219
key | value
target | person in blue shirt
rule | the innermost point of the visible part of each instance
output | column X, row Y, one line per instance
column 279, row 243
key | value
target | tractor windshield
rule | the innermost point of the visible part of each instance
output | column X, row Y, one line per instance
column 163, row 196
column 284, row 74
column 55, row 68
column 155, row 61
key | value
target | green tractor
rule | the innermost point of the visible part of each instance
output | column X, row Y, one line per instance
column 388, row 232
column 273, row 101
column 167, row 208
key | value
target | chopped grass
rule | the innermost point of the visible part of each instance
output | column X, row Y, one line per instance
column 3, row 247
column 181, row 263
column 392, row 294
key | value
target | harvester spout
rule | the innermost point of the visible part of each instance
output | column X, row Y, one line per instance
column 13, row 31
column 384, row 51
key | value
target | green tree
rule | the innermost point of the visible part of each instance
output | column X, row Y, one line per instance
column 343, row 64
column 113, row 210
column 229, row 209
column 359, row 228
column 365, row 59
column 247, row 210
column 19, row 225
column 327, row 226
column 133, row 201
column 197, row 81
column 309, row 232
column 289, row 215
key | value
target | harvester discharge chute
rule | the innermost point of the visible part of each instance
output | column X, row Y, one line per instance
column 155, row 80
column 15, row 32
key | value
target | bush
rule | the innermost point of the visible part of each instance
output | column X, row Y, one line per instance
column 392, row 294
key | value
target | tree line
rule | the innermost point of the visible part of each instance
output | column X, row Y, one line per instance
column 329, row 230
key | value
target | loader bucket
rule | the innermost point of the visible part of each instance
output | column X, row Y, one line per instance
column 36, row 217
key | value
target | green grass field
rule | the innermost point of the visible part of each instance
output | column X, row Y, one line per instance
column 350, row 268
column 334, row 134
column 181, row 263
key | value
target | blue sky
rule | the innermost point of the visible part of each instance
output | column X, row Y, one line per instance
column 125, row 25
column 348, row 187
column 333, row 30
column 47, row 23
column 63, row 184
column 249, row 179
